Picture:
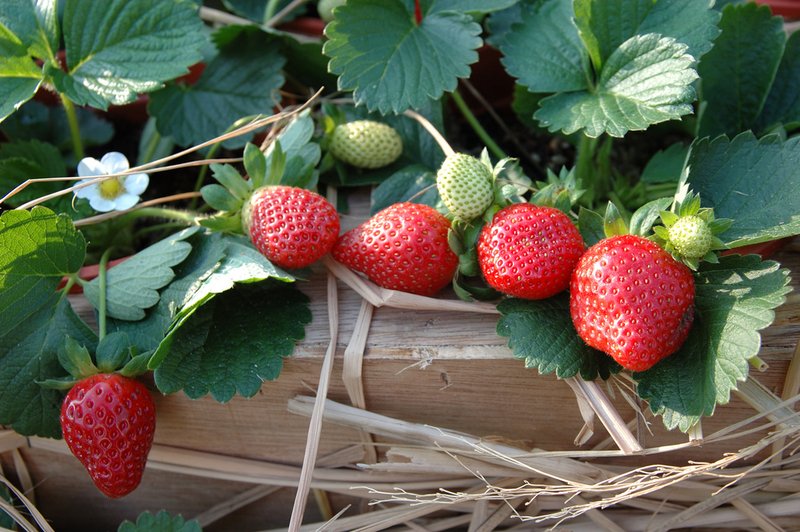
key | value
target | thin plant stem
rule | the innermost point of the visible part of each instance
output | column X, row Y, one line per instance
column 269, row 11
column 431, row 129
column 584, row 158
column 272, row 21
column 476, row 126
column 74, row 128
column 114, row 214
column 187, row 218
column 102, row 279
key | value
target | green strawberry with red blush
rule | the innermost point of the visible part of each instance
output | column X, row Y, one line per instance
column 529, row 251
column 632, row 300
column 403, row 247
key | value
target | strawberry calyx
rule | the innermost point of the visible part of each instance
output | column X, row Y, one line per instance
column 690, row 231
column 560, row 191
column 114, row 354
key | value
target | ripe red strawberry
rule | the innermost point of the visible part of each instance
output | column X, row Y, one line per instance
column 528, row 251
column 403, row 247
column 108, row 423
column 292, row 227
column 629, row 298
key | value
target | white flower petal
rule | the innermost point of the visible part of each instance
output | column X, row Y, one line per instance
column 89, row 166
column 125, row 201
column 101, row 204
column 87, row 192
column 136, row 183
column 114, row 162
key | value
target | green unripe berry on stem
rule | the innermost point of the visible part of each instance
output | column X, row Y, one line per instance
column 691, row 236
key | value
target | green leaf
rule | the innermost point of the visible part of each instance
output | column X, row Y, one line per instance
column 35, row 22
column 241, row 81
column 644, row 217
column 254, row 328
column 752, row 181
column 591, row 226
column 232, row 180
column 37, row 248
column 160, row 522
column 132, row 287
column 605, row 25
column 128, row 47
column 469, row 6
column 737, row 73
column 783, row 101
column 734, row 300
column 665, row 166
column 412, row 183
column 207, row 253
column 545, row 51
column 541, row 333
column 36, row 121
column 19, row 75
column 243, row 263
column 29, row 159
column 397, row 65
column 28, row 355
column 647, row 80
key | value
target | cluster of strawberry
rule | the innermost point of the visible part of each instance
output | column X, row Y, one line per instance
column 629, row 297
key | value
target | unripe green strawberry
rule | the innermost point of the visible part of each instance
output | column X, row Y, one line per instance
column 366, row 144
column 465, row 185
column 632, row 300
column 691, row 236
column 325, row 8
column 292, row 227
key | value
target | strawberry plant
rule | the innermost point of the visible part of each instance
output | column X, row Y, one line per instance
column 643, row 139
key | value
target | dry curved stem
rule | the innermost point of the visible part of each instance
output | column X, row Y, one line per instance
column 430, row 128
column 114, row 214
column 251, row 126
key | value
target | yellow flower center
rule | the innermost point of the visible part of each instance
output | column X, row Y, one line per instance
column 111, row 188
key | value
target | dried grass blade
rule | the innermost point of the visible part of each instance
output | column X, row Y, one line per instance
column 751, row 512
column 35, row 513
column 718, row 499
column 315, row 424
column 225, row 508
column 791, row 387
column 24, row 475
column 352, row 374
column 608, row 415
column 761, row 399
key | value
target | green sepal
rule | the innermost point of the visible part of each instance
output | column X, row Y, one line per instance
column 225, row 223
column 63, row 384
column 220, row 198
column 669, row 218
column 613, row 222
column 229, row 178
column 137, row 365
column 487, row 162
column 472, row 233
column 255, row 164
column 720, row 225
column 661, row 232
column 473, row 288
column 590, row 224
column 468, row 263
column 455, row 242
column 277, row 164
column 76, row 359
column 643, row 219
column 692, row 263
column 113, row 351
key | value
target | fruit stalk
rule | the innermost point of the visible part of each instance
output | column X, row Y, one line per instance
column 476, row 126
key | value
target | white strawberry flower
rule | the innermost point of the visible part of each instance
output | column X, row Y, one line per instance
column 114, row 194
